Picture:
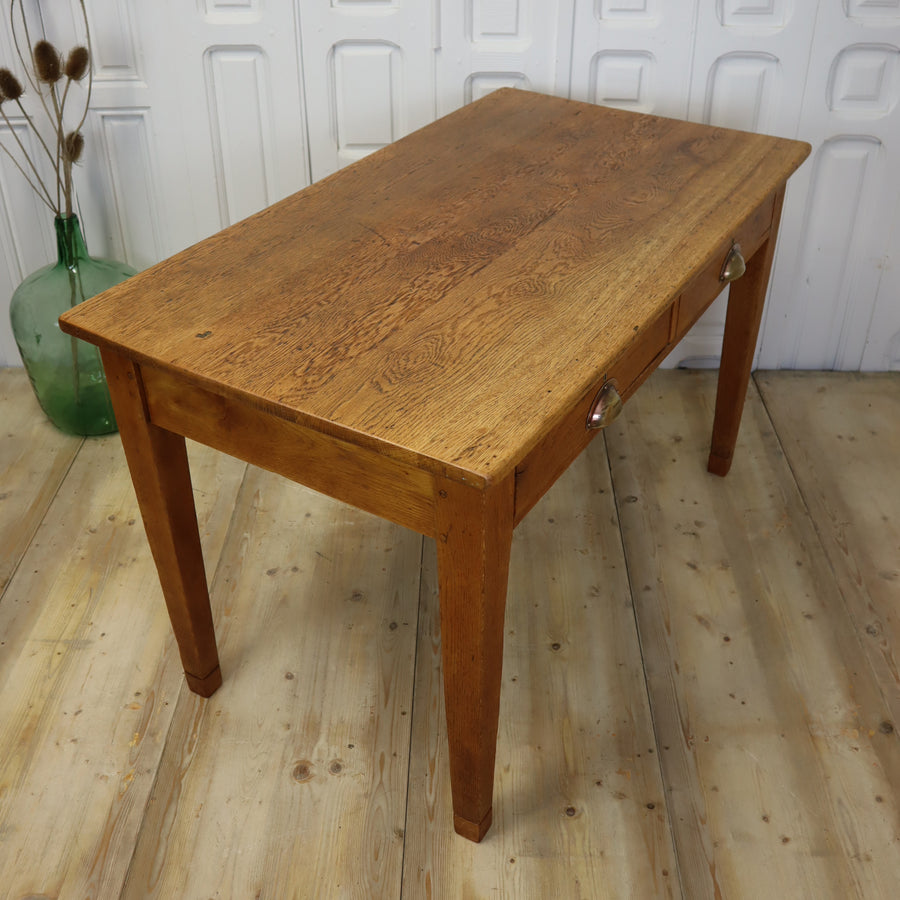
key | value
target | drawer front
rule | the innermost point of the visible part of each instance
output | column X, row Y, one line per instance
column 635, row 365
column 706, row 286
column 562, row 445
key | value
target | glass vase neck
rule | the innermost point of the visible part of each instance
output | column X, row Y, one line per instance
column 70, row 246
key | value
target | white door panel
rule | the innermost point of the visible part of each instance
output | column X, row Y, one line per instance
column 841, row 227
column 487, row 44
column 233, row 106
column 748, row 72
column 634, row 54
column 207, row 110
column 368, row 71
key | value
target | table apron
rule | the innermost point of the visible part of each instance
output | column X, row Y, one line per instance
column 403, row 493
column 562, row 444
column 355, row 475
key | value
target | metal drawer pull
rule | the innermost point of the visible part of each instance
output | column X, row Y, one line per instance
column 606, row 406
column 734, row 265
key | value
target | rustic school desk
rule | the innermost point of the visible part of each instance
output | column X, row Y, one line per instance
column 433, row 334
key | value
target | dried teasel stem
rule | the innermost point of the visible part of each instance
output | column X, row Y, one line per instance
column 90, row 57
column 50, row 74
column 35, row 85
column 10, row 86
column 62, row 184
column 74, row 145
column 80, row 56
column 77, row 63
column 47, row 63
column 47, row 69
column 15, row 36
column 10, row 89
column 39, row 189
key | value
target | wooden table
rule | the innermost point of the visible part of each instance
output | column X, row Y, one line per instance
column 426, row 335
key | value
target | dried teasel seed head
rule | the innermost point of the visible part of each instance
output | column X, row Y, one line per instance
column 77, row 63
column 10, row 87
column 47, row 63
column 74, row 145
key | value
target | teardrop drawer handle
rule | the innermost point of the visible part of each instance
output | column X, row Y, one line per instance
column 606, row 406
column 734, row 265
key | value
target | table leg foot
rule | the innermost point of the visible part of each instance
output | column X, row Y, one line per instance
column 157, row 460
column 473, row 831
column 742, row 320
column 473, row 542
column 719, row 464
column 207, row 685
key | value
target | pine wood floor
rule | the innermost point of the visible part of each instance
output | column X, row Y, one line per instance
column 701, row 676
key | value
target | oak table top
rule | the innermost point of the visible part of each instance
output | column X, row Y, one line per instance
column 447, row 298
column 433, row 334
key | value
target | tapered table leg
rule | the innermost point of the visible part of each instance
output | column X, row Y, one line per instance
column 745, row 307
column 157, row 460
column 474, row 537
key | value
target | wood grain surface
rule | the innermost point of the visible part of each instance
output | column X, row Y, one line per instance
column 161, row 477
column 777, row 743
column 291, row 781
column 448, row 298
column 350, row 473
column 775, row 585
column 34, row 459
column 555, row 259
column 842, row 436
column 580, row 808
column 474, row 540
column 89, row 677
column 746, row 298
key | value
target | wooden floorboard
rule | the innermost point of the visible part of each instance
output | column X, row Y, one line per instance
column 89, row 677
column 770, row 725
column 291, row 779
column 34, row 459
column 700, row 674
column 841, row 434
column 579, row 806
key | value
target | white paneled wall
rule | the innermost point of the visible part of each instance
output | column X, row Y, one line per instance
column 484, row 45
column 634, row 54
column 368, row 71
column 748, row 72
column 835, row 301
column 207, row 110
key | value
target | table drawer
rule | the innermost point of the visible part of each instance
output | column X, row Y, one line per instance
column 706, row 286
column 561, row 446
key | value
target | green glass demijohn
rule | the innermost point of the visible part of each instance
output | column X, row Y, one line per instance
column 66, row 373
